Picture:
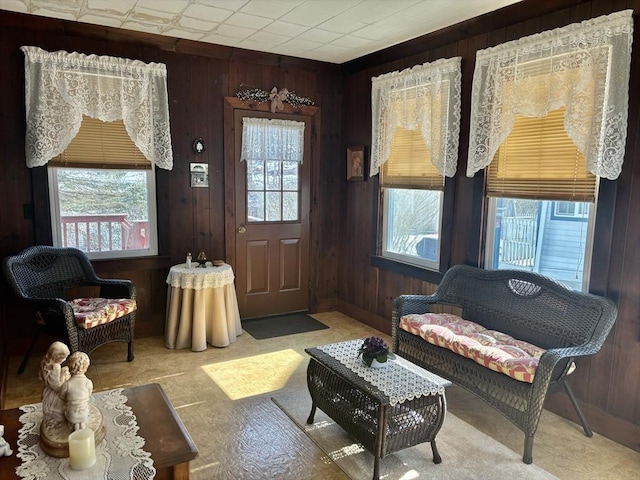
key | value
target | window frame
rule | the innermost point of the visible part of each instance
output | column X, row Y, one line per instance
column 55, row 225
column 384, row 232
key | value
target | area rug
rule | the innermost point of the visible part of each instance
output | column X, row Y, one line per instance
column 466, row 452
column 281, row 325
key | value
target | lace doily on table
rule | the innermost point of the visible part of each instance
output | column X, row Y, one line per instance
column 197, row 278
column 119, row 457
column 400, row 380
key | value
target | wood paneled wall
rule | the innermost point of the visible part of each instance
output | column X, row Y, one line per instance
column 199, row 77
column 608, row 384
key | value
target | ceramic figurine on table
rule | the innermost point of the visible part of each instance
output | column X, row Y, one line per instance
column 5, row 448
column 54, row 375
column 76, row 392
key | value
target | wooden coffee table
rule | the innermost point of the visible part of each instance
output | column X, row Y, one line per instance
column 166, row 437
column 386, row 409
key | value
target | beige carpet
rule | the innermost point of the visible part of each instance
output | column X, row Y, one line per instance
column 466, row 452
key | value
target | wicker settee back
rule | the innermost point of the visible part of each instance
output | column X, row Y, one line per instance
column 527, row 306
column 43, row 271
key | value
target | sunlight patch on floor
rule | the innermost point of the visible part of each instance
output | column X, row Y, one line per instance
column 410, row 475
column 255, row 375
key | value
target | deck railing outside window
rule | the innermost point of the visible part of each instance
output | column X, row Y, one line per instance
column 102, row 233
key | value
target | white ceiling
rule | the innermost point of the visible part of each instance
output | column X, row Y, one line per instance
column 333, row 31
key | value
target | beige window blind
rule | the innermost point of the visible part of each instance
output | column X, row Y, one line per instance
column 538, row 160
column 101, row 144
column 409, row 164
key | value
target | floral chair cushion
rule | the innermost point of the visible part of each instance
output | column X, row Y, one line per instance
column 495, row 350
column 90, row 312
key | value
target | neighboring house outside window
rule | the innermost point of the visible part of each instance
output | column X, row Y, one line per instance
column 547, row 125
column 416, row 125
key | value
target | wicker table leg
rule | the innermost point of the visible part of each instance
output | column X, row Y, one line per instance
column 312, row 413
column 382, row 429
column 436, row 454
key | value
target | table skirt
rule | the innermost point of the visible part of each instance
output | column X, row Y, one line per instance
column 197, row 317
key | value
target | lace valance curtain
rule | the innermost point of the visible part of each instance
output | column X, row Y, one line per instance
column 426, row 96
column 583, row 68
column 61, row 87
column 265, row 139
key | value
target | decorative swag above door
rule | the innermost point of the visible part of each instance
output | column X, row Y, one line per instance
column 61, row 87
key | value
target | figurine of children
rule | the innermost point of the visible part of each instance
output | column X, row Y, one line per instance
column 76, row 392
column 54, row 375
column 5, row 448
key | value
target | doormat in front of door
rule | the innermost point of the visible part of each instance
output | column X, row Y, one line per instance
column 281, row 325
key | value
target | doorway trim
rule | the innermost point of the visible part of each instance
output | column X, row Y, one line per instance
column 231, row 104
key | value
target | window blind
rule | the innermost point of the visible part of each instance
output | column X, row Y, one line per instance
column 101, row 144
column 409, row 164
column 538, row 160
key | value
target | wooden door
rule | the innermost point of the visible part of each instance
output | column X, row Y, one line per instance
column 272, row 203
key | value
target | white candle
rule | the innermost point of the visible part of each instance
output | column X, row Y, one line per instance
column 82, row 449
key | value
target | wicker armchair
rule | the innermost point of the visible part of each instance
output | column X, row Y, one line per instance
column 43, row 275
column 527, row 306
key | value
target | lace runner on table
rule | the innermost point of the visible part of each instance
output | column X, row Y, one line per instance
column 119, row 457
column 197, row 278
column 400, row 380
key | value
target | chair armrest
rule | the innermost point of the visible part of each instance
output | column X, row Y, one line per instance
column 406, row 304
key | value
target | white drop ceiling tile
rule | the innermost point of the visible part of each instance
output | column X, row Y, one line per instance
column 14, row 5
column 268, row 39
column 58, row 4
column 270, row 8
column 248, row 21
column 45, row 12
column 204, row 12
column 100, row 20
column 302, row 44
column 313, row 13
column 289, row 49
column 219, row 39
column 376, row 32
column 342, row 25
column 321, row 36
column 168, row 6
column 203, row 26
column 366, row 13
column 174, row 32
column 234, row 32
column 232, row 5
column 349, row 41
column 285, row 28
column 113, row 7
column 152, row 16
column 131, row 24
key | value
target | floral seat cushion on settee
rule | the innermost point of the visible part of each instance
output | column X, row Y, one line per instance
column 90, row 312
column 495, row 350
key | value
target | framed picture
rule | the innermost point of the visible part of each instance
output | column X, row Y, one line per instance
column 199, row 174
column 355, row 164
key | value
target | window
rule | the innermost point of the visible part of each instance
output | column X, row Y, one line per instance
column 416, row 125
column 273, row 191
column 548, row 125
column 102, row 194
column 412, row 202
column 526, row 227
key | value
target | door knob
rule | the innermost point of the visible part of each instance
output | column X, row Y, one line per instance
column 242, row 229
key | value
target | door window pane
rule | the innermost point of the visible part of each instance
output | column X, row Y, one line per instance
column 273, row 191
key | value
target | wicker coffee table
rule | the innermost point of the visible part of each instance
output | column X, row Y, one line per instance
column 386, row 409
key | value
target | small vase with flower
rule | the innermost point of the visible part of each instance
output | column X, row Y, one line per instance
column 375, row 352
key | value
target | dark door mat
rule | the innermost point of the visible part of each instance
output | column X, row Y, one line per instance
column 281, row 325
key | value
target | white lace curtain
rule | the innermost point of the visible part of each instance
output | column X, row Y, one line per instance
column 266, row 139
column 61, row 87
column 582, row 67
column 426, row 96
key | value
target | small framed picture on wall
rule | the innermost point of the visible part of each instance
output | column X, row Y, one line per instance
column 199, row 174
column 355, row 163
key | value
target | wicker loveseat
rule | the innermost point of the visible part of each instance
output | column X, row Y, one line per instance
column 559, row 323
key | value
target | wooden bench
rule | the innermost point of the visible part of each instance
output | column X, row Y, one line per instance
column 529, row 307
